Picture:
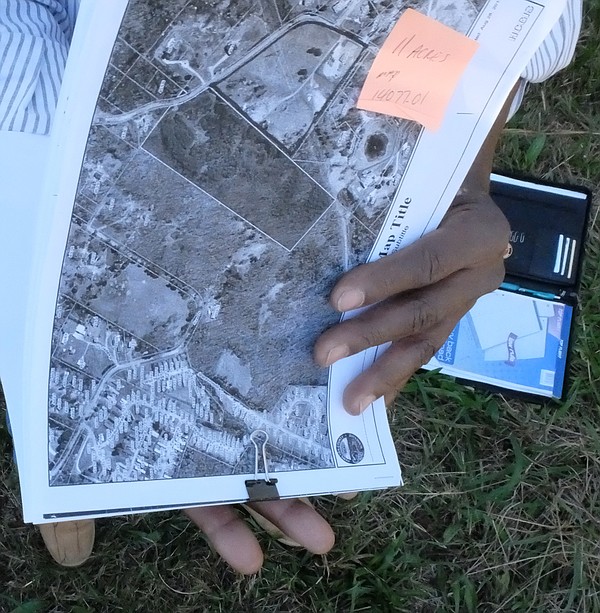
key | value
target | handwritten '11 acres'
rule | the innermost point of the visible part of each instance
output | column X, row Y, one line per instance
column 417, row 70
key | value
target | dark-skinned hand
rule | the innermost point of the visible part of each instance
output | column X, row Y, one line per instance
column 416, row 297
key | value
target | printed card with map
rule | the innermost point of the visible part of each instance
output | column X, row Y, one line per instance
column 227, row 181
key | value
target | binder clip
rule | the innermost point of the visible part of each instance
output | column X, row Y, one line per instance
column 261, row 489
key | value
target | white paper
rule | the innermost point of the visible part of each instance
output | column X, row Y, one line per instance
column 22, row 160
column 302, row 455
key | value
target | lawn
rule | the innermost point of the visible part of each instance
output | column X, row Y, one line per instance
column 501, row 507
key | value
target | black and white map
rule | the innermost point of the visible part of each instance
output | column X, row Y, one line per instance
column 228, row 181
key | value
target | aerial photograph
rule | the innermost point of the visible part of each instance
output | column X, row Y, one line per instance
column 229, row 180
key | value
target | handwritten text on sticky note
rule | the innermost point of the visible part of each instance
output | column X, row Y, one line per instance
column 417, row 70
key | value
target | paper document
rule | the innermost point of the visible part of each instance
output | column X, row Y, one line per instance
column 210, row 180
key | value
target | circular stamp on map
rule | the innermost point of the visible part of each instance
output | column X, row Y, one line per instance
column 350, row 448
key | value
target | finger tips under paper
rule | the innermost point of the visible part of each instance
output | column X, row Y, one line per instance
column 299, row 521
column 229, row 536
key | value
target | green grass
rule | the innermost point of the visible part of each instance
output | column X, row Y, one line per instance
column 501, row 508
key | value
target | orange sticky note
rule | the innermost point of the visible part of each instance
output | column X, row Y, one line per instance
column 417, row 70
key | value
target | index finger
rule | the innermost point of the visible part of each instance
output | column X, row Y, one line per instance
column 472, row 234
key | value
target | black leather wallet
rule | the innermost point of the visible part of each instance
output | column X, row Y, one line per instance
column 548, row 227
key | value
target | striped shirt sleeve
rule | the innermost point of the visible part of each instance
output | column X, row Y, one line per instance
column 555, row 53
column 34, row 41
column 559, row 47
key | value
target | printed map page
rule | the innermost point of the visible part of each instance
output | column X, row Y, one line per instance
column 228, row 182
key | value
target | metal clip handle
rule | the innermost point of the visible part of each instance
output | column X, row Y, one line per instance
column 261, row 489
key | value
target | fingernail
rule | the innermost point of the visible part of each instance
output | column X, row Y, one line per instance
column 350, row 299
column 360, row 404
column 337, row 353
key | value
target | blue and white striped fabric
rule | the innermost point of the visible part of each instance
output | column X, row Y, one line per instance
column 557, row 51
column 35, row 35
column 34, row 41
column 555, row 54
